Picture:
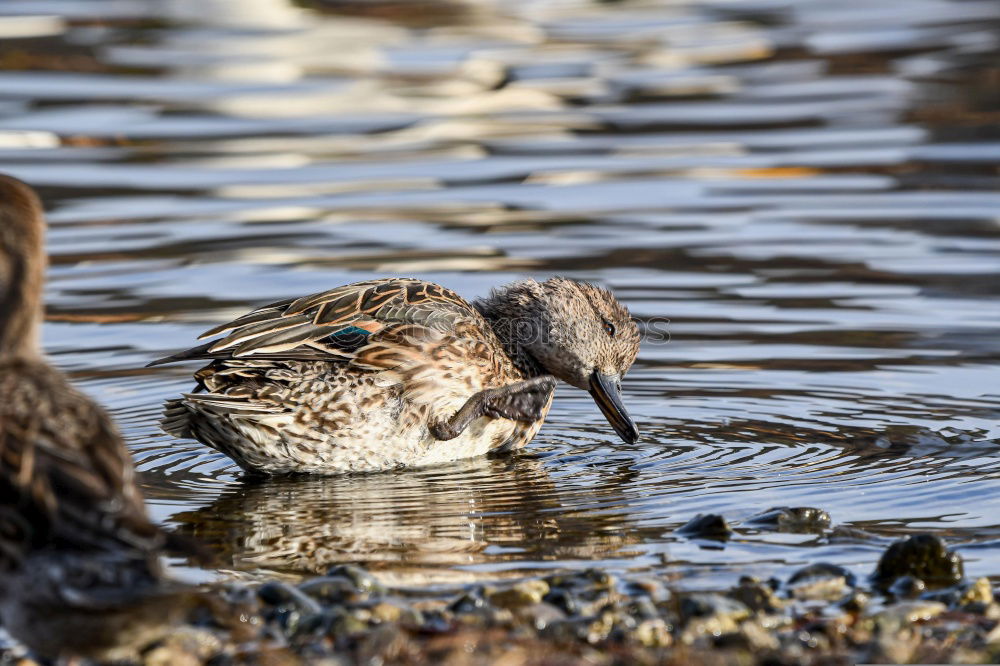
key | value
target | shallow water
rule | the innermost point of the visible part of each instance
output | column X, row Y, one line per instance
column 807, row 191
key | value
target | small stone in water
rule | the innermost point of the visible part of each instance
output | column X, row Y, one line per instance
column 646, row 587
column 710, row 615
column 820, row 581
column 330, row 589
column 702, row 605
column 541, row 615
column 653, row 632
column 598, row 577
column 341, row 624
column 979, row 592
column 468, row 603
column 856, row 602
column 564, row 600
column 922, row 556
column 907, row 587
column 756, row 596
column 362, row 580
column 524, row 593
column 386, row 612
column 642, row 608
column 276, row 593
column 706, row 526
column 288, row 619
column 792, row 519
column 823, row 569
column 318, row 623
column 906, row 613
column 434, row 622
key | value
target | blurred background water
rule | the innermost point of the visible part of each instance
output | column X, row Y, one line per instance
column 806, row 190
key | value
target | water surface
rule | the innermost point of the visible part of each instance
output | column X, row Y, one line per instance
column 806, row 191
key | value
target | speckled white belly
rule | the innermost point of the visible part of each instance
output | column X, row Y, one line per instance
column 374, row 439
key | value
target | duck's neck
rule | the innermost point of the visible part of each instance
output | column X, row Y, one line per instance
column 22, row 272
column 508, row 313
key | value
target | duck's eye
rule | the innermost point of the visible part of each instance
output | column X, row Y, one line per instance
column 609, row 328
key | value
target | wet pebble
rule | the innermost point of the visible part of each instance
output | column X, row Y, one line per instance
column 331, row 590
column 277, row 593
column 855, row 602
column 524, row 593
column 707, row 604
column 564, row 600
column 905, row 613
column 348, row 623
column 750, row 636
column 385, row 611
column 978, row 592
column 646, row 587
column 470, row 602
column 541, row 615
column 653, row 632
column 922, row 556
column 706, row 526
column 582, row 593
column 706, row 614
column 642, row 608
column 756, row 596
column 361, row 579
column 435, row 622
column 791, row 519
column 586, row 579
column 907, row 587
column 821, row 581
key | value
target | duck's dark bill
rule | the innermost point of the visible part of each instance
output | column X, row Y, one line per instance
column 606, row 391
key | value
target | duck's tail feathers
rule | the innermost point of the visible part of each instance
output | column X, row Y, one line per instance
column 176, row 419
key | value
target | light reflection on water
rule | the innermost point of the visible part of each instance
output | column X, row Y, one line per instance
column 808, row 192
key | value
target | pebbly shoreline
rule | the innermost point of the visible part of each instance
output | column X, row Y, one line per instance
column 916, row 607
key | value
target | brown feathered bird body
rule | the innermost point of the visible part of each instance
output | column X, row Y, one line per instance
column 399, row 372
column 301, row 386
column 79, row 566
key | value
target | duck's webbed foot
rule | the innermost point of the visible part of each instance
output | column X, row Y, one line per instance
column 521, row 401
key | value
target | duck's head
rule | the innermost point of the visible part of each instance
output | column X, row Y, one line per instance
column 22, row 267
column 575, row 331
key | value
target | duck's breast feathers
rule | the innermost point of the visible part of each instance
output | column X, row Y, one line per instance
column 335, row 324
column 64, row 469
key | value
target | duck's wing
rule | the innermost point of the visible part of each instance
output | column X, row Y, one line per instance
column 66, row 478
column 334, row 324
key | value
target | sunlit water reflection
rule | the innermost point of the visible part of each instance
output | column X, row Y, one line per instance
column 808, row 192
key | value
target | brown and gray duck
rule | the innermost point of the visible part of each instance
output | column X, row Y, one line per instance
column 399, row 372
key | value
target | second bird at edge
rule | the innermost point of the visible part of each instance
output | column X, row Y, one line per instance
column 399, row 372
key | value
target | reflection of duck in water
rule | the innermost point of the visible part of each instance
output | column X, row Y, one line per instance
column 394, row 372
column 79, row 558
column 422, row 519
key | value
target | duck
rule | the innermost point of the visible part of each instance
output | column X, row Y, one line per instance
column 400, row 372
column 80, row 569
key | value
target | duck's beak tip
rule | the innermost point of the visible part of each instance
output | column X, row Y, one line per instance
column 631, row 436
column 606, row 391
